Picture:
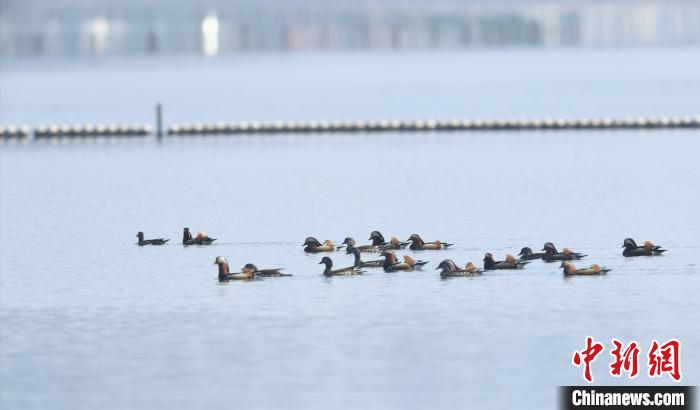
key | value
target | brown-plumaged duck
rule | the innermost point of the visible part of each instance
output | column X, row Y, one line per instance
column 200, row 239
column 595, row 269
column 648, row 249
column 392, row 264
column 225, row 275
column 142, row 242
column 551, row 253
column 449, row 269
column 418, row 244
column 328, row 271
column 509, row 263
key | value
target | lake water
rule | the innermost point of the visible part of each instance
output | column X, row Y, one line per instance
column 90, row 320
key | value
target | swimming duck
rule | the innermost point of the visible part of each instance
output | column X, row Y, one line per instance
column 570, row 269
column 312, row 245
column 450, row 269
column 649, row 249
column 225, row 275
column 509, row 263
column 143, row 242
column 418, row 244
column 352, row 270
column 359, row 263
column 392, row 264
column 350, row 243
column 551, row 253
column 264, row 272
column 201, row 238
column 378, row 240
column 527, row 254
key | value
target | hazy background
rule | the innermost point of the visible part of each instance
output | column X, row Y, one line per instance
column 215, row 27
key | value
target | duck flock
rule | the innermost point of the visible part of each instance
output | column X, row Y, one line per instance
column 390, row 262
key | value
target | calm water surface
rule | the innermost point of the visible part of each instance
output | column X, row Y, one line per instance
column 90, row 320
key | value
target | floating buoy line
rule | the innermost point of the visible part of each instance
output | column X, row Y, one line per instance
column 11, row 132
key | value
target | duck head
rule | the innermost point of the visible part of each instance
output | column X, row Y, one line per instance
column 549, row 248
column 568, row 267
column 377, row 238
column 389, row 257
column 250, row 266
column 223, row 266
column 349, row 242
column 526, row 251
column 629, row 242
column 416, row 239
column 311, row 241
column 326, row 261
column 447, row 265
column 140, row 236
column 186, row 235
column 488, row 261
column 629, row 248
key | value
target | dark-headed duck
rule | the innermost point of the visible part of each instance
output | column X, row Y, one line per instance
column 509, row 263
column 595, row 269
column 359, row 263
column 392, row 264
column 648, row 249
column 449, row 269
column 312, row 245
column 225, row 275
column 527, row 254
column 551, row 253
column 264, row 272
column 143, row 242
column 350, row 243
column 378, row 240
column 201, row 238
column 328, row 271
column 418, row 244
